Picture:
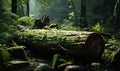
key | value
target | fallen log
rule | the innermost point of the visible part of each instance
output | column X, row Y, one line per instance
column 78, row 43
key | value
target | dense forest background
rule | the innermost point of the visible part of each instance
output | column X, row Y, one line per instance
column 80, row 13
column 91, row 15
column 72, row 16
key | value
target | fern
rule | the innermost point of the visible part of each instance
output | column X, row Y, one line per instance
column 4, row 55
column 98, row 28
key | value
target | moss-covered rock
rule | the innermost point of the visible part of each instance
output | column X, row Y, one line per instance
column 74, row 68
column 18, row 52
column 15, row 64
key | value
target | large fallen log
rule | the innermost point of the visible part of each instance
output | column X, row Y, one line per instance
column 78, row 43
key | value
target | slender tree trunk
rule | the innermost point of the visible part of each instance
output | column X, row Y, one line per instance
column 83, row 20
column 28, row 9
column 19, row 10
column 1, row 7
column 22, row 10
column 14, row 6
column 116, row 15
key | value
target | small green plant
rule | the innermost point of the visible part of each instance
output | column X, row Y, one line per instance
column 67, row 25
column 4, row 55
column 98, row 28
column 59, row 62
column 111, row 50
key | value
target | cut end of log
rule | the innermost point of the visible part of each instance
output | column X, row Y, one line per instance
column 94, row 45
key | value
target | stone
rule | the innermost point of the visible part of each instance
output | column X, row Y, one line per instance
column 43, row 67
column 75, row 68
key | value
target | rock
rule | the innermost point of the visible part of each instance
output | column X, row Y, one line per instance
column 95, row 66
column 18, row 52
column 43, row 67
column 22, row 28
column 75, row 68
column 16, row 64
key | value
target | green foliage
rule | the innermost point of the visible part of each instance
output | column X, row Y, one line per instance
column 98, row 28
column 7, row 25
column 5, row 36
column 57, row 59
column 59, row 62
column 5, row 6
column 110, row 52
column 4, row 27
column 4, row 55
column 9, row 18
column 67, row 25
column 26, row 21
column 71, row 15
column 46, row 3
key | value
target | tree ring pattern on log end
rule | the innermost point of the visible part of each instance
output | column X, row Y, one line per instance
column 94, row 46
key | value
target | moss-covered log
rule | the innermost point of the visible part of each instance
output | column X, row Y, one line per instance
column 88, row 44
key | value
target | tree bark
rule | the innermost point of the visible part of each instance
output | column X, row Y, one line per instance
column 77, row 43
column 83, row 20
column 116, row 15
column 28, row 9
column 14, row 6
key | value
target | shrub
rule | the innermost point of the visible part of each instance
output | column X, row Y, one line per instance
column 7, row 25
column 4, row 55
column 26, row 21
column 67, row 25
column 98, row 28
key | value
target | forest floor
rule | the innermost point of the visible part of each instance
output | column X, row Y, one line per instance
column 35, row 60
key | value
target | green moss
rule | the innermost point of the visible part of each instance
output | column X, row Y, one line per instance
column 36, row 36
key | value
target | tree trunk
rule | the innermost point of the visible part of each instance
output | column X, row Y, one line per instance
column 83, row 20
column 1, row 7
column 77, row 43
column 27, row 10
column 14, row 6
column 116, row 15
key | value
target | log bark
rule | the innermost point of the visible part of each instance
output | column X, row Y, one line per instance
column 78, row 43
